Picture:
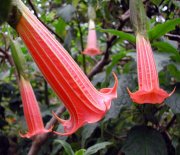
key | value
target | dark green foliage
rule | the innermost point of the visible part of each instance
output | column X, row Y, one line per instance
column 5, row 7
column 143, row 140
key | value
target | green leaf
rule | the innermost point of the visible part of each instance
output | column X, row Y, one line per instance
column 87, row 131
column 165, row 47
column 121, row 34
column 60, row 27
column 80, row 152
column 168, row 48
column 66, row 12
column 173, row 102
column 115, row 59
column 67, row 147
column 75, row 3
column 95, row 148
column 143, row 140
column 161, row 29
column 5, row 9
column 123, row 96
column 156, row 2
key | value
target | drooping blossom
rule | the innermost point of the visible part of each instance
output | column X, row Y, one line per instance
column 31, row 110
column 91, row 48
column 84, row 103
column 149, row 90
column 30, row 105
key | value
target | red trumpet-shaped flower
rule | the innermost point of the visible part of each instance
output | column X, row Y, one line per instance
column 84, row 103
column 149, row 91
column 31, row 110
column 92, row 48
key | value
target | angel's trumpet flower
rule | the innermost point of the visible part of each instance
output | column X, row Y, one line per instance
column 84, row 103
column 30, row 105
column 31, row 110
column 92, row 48
column 149, row 90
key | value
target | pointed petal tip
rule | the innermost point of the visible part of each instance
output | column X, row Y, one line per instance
column 65, row 133
column 129, row 92
column 31, row 135
column 62, row 121
column 115, row 87
column 112, row 92
column 155, row 96
column 172, row 91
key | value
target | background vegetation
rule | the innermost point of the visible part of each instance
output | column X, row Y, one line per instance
column 128, row 128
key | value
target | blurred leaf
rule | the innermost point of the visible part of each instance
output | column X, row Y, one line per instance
column 115, row 59
column 165, row 47
column 67, row 146
column 95, row 148
column 5, row 7
column 121, row 34
column 98, row 78
column 173, row 102
column 143, row 140
column 168, row 48
column 66, row 12
column 75, row 3
column 161, row 29
column 80, row 152
column 87, row 132
column 123, row 96
column 60, row 26
column 156, row 2
column 178, row 150
column 177, row 3
column 174, row 71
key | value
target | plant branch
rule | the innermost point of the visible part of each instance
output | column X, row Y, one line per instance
column 39, row 140
column 46, row 94
column 81, row 41
column 173, row 37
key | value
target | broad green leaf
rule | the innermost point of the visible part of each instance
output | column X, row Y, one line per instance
column 80, row 152
column 165, row 47
column 95, row 148
column 143, row 140
column 161, row 29
column 87, row 131
column 168, row 48
column 67, row 147
column 173, row 102
column 123, row 96
column 121, row 34
column 66, row 12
